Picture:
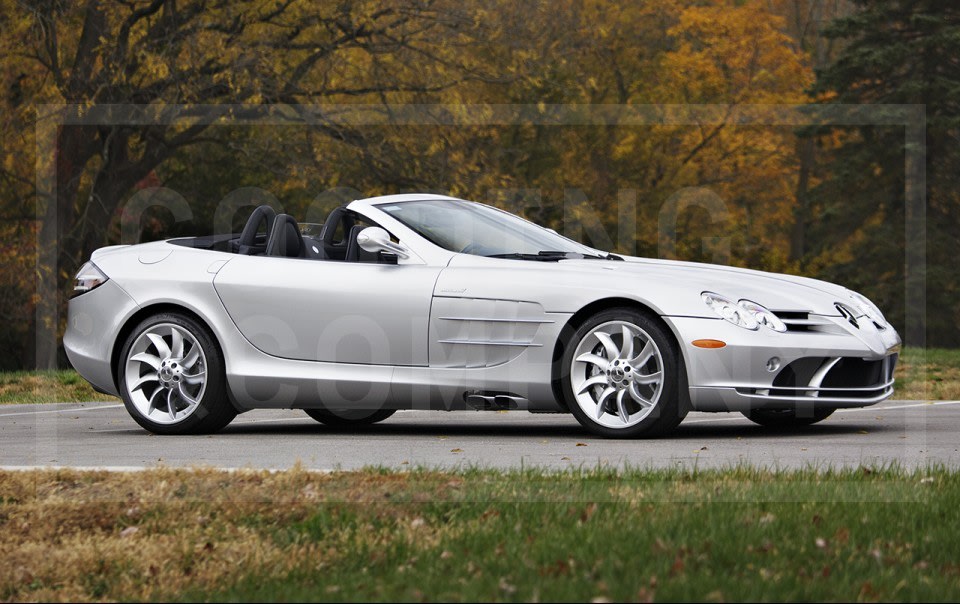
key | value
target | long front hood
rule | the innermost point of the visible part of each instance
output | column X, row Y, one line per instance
column 669, row 287
column 776, row 291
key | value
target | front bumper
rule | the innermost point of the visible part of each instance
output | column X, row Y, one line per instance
column 847, row 368
column 93, row 321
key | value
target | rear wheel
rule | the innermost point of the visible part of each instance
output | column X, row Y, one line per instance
column 623, row 376
column 788, row 418
column 171, row 377
column 343, row 418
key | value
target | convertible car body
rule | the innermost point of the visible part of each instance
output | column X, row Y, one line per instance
column 431, row 302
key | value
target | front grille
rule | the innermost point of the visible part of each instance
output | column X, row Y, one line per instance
column 855, row 318
column 844, row 379
column 799, row 372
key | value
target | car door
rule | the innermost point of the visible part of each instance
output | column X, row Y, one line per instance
column 334, row 311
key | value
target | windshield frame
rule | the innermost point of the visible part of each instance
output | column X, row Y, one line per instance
column 518, row 227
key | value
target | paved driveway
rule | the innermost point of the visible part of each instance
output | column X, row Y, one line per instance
column 910, row 433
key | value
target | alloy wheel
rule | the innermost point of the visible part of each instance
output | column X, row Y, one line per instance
column 617, row 374
column 166, row 373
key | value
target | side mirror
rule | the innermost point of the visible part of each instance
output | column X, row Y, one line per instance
column 375, row 239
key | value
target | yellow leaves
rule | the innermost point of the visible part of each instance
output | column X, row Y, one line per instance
column 734, row 54
column 568, row 51
column 626, row 146
column 155, row 68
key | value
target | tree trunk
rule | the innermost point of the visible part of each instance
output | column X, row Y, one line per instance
column 805, row 151
column 73, row 148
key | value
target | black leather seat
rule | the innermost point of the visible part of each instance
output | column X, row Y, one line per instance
column 285, row 238
column 355, row 253
column 248, row 244
column 337, row 250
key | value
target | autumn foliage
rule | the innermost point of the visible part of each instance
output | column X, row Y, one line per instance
column 764, row 195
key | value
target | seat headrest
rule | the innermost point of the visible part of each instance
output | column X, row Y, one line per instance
column 248, row 237
column 285, row 238
column 337, row 217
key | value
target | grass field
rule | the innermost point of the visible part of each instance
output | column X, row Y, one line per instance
column 740, row 534
column 47, row 387
column 932, row 374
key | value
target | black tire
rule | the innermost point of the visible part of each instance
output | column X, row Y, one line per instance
column 213, row 410
column 349, row 418
column 788, row 418
column 672, row 405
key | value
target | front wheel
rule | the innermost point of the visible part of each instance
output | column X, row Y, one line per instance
column 788, row 418
column 622, row 375
column 345, row 418
column 171, row 377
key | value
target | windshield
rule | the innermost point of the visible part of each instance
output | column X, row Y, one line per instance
column 474, row 228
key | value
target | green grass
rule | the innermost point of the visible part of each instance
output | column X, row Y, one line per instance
column 932, row 374
column 478, row 535
column 735, row 536
column 57, row 386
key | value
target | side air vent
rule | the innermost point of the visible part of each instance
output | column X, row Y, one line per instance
column 802, row 321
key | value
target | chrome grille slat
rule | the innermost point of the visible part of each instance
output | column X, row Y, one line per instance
column 850, row 380
column 881, row 386
column 805, row 322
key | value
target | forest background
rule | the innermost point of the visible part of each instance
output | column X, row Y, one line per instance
column 868, row 202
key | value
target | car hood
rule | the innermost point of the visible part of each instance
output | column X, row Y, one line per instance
column 776, row 291
column 669, row 287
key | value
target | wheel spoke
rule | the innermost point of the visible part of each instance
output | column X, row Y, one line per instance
column 602, row 401
column 594, row 359
column 608, row 344
column 622, row 407
column 177, row 338
column 160, row 344
column 145, row 379
column 147, row 358
column 186, row 397
column 590, row 383
column 652, row 378
column 170, row 408
column 196, row 378
column 636, row 396
column 153, row 397
column 626, row 349
column 641, row 359
column 190, row 360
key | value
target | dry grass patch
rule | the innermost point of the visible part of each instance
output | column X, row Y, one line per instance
column 72, row 536
column 47, row 387
column 479, row 535
column 932, row 374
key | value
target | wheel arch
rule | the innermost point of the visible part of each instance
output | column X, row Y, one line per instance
column 587, row 311
column 151, row 310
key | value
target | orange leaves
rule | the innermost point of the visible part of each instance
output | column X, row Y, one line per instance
column 734, row 54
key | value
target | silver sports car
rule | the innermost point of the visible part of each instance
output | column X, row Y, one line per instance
column 431, row 302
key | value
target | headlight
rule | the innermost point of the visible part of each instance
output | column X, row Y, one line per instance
column 729, row 310
column 868, row 308
column 88, row 277
column 763, row 316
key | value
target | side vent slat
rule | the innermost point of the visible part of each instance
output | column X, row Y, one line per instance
column 801, row 321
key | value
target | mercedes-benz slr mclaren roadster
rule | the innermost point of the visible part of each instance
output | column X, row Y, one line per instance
column 432, row 302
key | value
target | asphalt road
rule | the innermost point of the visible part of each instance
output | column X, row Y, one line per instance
column 102, row 435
